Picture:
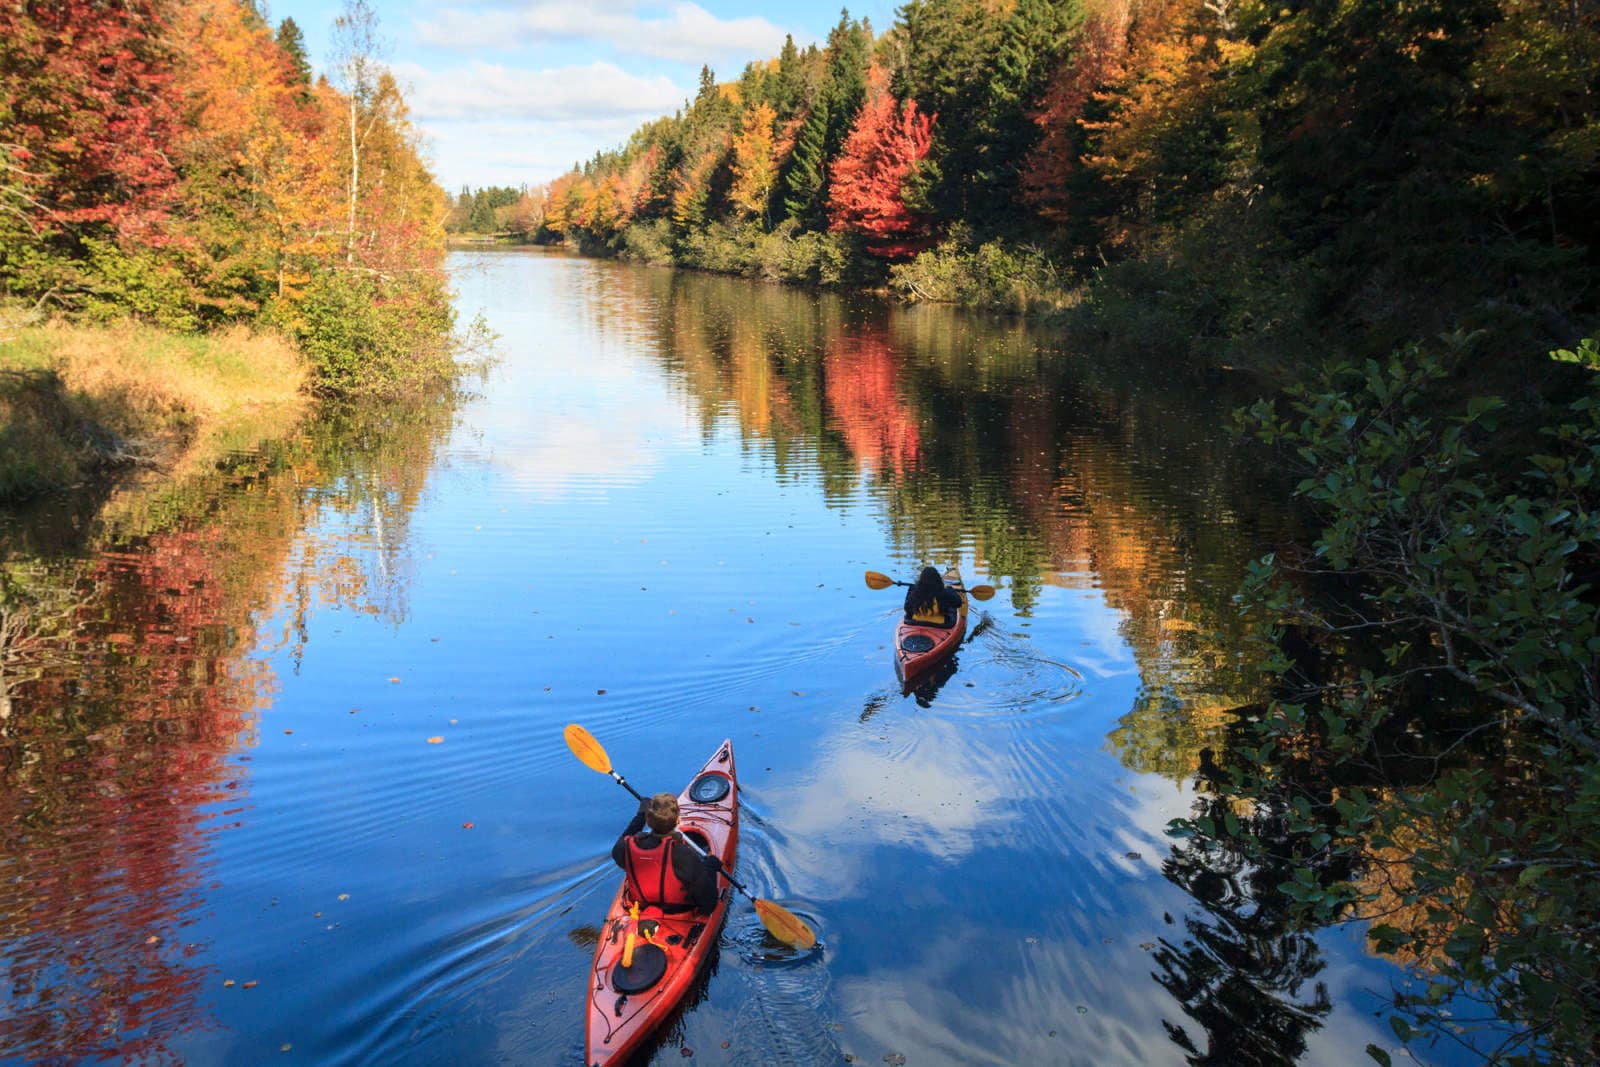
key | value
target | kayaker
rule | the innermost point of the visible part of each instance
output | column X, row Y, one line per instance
column 931, row 602
column 664, row 870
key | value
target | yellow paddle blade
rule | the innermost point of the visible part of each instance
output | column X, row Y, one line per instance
column 587, row 749
column 981, row 592
column 785, row 925
column 879, row 581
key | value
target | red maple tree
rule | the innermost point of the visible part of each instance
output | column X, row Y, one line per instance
column 867, row 182
column 89, row 90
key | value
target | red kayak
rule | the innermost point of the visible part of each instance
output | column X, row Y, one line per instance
column 627, row 1004
column 919, row 646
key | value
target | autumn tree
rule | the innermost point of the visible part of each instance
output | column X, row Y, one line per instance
column 755, row 163
column 257, row 190
column 1054, row 159
column 357, row 45
column 867, row 193
column 88, row 95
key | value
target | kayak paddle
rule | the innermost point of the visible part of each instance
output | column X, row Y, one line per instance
column 883, row 581
column 781, row 923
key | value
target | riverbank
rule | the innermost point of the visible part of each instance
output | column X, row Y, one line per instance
column 78, row 400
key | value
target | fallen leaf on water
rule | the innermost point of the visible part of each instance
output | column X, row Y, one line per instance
column 288, row 731
column 249, row 985
column 227, row 983
column 466, row 826
column 395, row 680
column 344, row 896
column 435, row 740
column 452, row 722
column 1131, row 856
column 285, row 1047
column 600, row 692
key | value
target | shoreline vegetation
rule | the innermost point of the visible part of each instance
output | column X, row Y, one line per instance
column 195, row 229
column 1382, row 210
column 79, row 400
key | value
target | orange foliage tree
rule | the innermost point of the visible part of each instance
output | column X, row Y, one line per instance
column 866, row 192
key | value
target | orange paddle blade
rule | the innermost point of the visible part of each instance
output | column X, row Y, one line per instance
column 785, row 925
column 879, row 581
column 981, row 592
column 587, row 749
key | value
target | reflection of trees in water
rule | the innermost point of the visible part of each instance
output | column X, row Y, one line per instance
column 1245, row 970
column 1052, row 469
column 128, row 678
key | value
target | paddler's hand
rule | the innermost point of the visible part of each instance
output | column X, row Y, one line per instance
column 713, row 865
column 644, row 805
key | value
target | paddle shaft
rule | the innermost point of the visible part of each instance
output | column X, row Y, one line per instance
column 685, row 838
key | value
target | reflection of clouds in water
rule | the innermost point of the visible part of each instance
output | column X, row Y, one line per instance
column 605, row 428
column 934, row 794
column 968, row 999
column 571, row 456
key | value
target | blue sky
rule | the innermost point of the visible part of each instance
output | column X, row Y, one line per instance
column 515, row 91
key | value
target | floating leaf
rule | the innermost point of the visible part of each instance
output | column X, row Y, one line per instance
column 466, row 826
column 435, row 740
column 344, row 896
column 227, row 983
column 153, row 939
column 395, row 680
column 249, row 985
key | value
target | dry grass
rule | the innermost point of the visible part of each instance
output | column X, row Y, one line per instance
column 73, row 398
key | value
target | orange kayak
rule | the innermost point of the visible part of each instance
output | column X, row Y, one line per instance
column 627, row 1005
column 918, row 646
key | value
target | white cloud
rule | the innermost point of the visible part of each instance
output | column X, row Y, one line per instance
column 596, row 91
column 679, row 31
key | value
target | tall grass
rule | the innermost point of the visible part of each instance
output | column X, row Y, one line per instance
column 77, row 398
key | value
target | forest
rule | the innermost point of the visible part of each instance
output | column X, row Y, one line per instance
column 176, row 161
column 1383, row 213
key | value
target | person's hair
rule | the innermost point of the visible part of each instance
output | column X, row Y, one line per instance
column 662, row 813
column 924, row 595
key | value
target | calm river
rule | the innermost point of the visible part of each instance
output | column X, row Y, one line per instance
column 281, row 753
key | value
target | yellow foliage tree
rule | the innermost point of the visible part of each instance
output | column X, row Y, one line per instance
column 755, row 162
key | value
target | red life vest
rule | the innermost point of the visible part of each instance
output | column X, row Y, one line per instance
column 651, row 879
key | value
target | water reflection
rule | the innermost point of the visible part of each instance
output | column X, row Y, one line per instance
column 129, row 686
column 654, row 522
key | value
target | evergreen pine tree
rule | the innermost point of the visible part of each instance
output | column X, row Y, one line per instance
column 807, row 170
column 293, row 43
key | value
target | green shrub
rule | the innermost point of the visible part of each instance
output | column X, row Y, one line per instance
column 996, row 275
column 1431, row 754
column 144, row 284
column 368, row 335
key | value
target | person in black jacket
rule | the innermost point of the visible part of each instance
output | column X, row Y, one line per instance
column 664, row 870
column 928, row 597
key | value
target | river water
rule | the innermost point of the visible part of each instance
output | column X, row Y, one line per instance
column 281, row 748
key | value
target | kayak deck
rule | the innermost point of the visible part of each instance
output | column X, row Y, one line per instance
column 621, row 1021
column 918, row 647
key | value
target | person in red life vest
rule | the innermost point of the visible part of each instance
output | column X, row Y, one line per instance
column 930, row 602
column 664, row 870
